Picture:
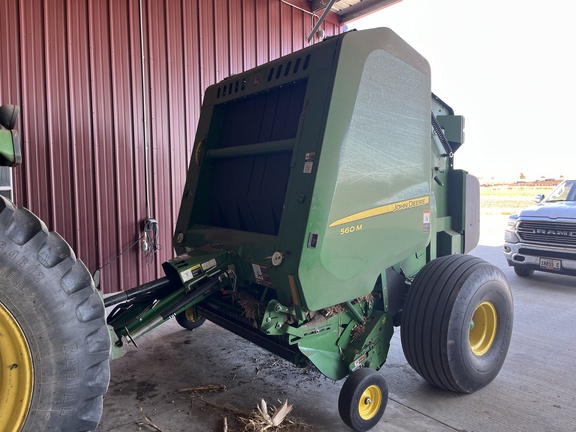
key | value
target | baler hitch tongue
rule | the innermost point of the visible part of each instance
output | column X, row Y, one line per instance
column 190, row 299
column 148, row 310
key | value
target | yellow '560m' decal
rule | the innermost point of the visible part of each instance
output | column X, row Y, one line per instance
column 388, row 208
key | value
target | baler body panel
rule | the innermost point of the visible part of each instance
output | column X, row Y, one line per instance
column 371, row 201
column 243, row 192
column 322, row 158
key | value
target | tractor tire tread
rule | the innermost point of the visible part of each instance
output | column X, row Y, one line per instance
column 68, row 309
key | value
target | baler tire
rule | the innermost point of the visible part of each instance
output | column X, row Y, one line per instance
column 523, row 272
column 363, row 399
column 190, row 319
column 54, row 342
column 457, row 322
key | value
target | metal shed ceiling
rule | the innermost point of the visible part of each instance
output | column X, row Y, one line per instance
column 349, row 10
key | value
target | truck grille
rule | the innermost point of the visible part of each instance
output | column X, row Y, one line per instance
column 549, row 254
column 548, row 233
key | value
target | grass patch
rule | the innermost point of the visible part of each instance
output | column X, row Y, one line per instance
column 508, row 199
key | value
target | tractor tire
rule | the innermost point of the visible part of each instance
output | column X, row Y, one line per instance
column 190, row 319
column 54, row 342
column 363, row 399
column 523, row 272
column 457, row 322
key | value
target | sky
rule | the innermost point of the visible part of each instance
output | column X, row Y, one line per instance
column 509, row 67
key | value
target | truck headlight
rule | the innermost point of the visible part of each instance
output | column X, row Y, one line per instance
column 510, row 237
column 512, row 220
column 510, row 232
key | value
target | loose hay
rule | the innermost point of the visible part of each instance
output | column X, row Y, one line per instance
column 251, row 307
column 264, row 419
column 208, row 388
column 274, row 419
column 148, row 422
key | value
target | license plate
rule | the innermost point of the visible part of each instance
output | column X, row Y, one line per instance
column 550, row 264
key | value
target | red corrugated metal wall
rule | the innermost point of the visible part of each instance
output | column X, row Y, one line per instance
column 74, row 67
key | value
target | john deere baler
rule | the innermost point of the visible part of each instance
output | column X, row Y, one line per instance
column 321, row 209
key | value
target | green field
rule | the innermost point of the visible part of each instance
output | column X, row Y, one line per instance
column 508, row 198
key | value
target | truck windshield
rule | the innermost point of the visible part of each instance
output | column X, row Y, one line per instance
column 565, row 191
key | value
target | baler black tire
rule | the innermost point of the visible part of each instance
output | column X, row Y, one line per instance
column 436, row 322
column 190, row 319
column 59, row 317
column 354, row 411
column 523, row 272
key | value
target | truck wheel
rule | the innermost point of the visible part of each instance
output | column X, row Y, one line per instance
column 190, row 319
column 54, row 343
column 523, row 272
column 457, row 322
column 363, row 399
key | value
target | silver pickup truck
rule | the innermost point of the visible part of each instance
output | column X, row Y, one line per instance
column 543, row 236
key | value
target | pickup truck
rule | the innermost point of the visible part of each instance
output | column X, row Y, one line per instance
column 543, row 236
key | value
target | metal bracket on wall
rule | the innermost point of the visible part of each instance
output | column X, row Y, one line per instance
column 321, row 20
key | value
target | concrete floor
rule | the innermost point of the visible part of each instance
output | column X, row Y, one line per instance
column 535, row 391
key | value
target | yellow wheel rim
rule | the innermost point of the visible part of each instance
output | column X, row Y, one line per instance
column 190, row 315
column 483, row 328
column 16, row 373
column 370, row 402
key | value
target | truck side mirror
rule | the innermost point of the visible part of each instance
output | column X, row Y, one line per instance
column 539, row 198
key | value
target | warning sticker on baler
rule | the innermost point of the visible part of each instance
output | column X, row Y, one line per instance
column 209, row 264
column 191, row 273
column 261, row 274
column 309, row 162
column 426, row 221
